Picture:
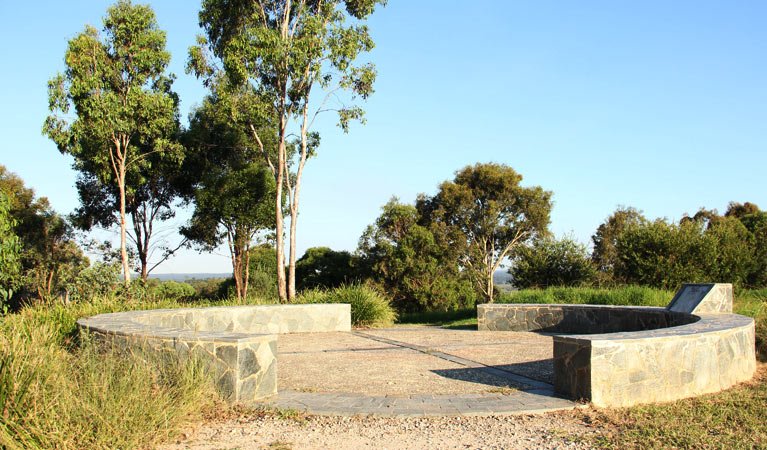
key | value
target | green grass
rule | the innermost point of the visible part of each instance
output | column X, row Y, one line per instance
column 459, row 319
column 622, row 296
column 734, row 419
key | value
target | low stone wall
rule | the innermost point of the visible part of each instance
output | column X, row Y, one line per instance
column 238, row 343
column 623, row 356
column 577, row 319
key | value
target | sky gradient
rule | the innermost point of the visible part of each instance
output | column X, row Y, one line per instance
column 657, row 105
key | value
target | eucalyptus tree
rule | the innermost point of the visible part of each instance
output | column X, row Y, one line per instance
column 150, row 197
column 488, row 214
column 113, row 105
column 288, row 50
column 226, row 180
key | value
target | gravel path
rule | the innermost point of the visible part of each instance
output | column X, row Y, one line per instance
column 269, row 431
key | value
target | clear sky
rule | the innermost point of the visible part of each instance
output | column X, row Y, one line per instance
column 653, row 104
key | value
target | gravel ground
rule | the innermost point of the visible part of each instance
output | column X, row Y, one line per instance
column 270, row 431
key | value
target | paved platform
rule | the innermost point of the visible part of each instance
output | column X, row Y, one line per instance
column 410, row 371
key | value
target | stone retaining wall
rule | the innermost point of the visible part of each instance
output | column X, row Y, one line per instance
column 238, row 343
column 623, row 356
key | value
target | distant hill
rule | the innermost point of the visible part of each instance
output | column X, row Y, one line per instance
column 501, row 277
column 188, row 276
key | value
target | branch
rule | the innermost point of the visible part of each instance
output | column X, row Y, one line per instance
column 263, row 151
column 168, row 254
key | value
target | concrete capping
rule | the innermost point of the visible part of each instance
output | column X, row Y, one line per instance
column 238, row 343
column 624, row 356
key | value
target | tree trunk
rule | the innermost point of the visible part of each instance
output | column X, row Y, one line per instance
column 123, row 248
column 282, row 291
column 292, row 258
column 490, row 285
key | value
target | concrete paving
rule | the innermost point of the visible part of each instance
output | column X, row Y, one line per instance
column 417, row 371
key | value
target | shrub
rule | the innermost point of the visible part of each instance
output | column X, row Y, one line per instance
column 324, row 267
column 369, row 307
column 173, row 290
column 552, row 262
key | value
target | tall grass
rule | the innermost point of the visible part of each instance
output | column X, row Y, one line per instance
column 622, row 296
column 54, row 394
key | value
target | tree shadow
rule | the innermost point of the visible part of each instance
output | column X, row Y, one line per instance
column 503, row 375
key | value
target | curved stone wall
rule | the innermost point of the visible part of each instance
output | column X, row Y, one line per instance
column 237, row 342
column 623, row 356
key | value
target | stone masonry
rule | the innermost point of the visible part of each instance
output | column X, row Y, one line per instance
column 238, row 343
column 623, row 356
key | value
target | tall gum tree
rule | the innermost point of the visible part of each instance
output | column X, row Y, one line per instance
column 287, row 49
column 113, row 106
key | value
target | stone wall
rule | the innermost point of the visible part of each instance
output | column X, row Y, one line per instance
column 623, row 356
column 238, row 344
column 578, row 319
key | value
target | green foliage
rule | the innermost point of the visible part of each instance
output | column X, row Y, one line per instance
column 321, row 267
column 174, row 290
column 486, row 215
column 227, row 181
column 414, row 263
column 207, row 288
column 98, row 280
column 263, row 272
column 151, row 193
column 49, row 258
column 620, row 296
column 369, row 308
column 278, row 53
column 665, row 255
column 10, row 249
column 706, row 247
column 605, row 254
column 552, row 262
column 114, row 106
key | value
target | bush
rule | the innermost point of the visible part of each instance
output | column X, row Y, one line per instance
column 369, row 307
column 173, row 290
column 321, row 267
column 552, row 262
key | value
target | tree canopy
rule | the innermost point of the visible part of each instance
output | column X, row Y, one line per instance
column 113, row 105
column 226, row 180
column 285, row 50
column 487, row 214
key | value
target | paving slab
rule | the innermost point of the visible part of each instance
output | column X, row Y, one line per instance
column 416, row 371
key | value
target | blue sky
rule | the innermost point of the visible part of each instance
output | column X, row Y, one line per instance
column 654, row 104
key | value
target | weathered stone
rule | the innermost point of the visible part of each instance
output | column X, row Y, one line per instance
column 232, row 341
column 622, row 356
